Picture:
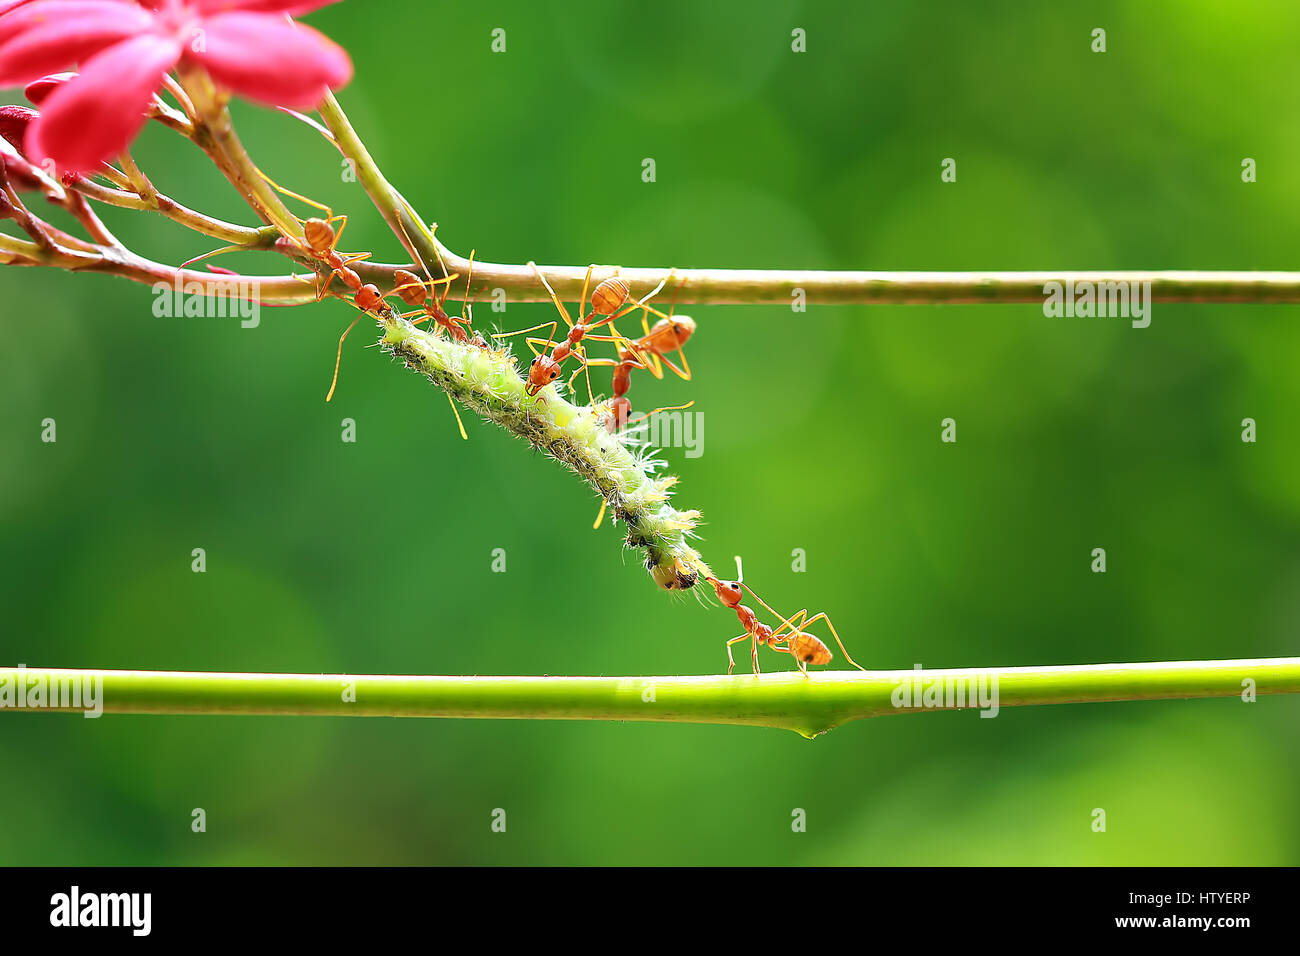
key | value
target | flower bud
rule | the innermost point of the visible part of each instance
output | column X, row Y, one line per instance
column 20, row 173
column 14, row 121
column 37, row 90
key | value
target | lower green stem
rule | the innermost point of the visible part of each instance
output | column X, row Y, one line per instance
column 809, row 706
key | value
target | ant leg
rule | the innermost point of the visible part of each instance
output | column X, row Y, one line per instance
column 586, row 370
column 803, row 668
column 339, row 359
column 795, row 623
column 469, row 275
column 684, row 373
column 410, row 247
column 582, row 303
column 731, row 660
column 554, row 298
column 505, row 335
column 625, row 345
column 656, row 367
column 584, row 363
column 455, row 411
column 289, row 192
column 532, row 341
column 209, row 255
column 822, row 616
column 666, row 408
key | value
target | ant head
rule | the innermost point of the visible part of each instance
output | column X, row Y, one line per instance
column 368, row 298
column 541, row 373
column 683, row 328
column 728, row 592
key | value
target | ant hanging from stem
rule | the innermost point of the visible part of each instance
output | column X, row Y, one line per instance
column 608, row 297
column 649, row 352
column 412, row 290
column 805, row 648
column 320, row 240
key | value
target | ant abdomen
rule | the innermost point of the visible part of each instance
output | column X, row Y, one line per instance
column 319, row 235
column 609, row 296
column 409, row 288
column 809, row 649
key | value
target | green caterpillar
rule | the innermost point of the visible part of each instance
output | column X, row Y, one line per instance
column 488, row 382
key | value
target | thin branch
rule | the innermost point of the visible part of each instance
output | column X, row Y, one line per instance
column 215, row 135
column 259, row 238
column 807, row 706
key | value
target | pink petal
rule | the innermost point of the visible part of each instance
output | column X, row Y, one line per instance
column 58, row 43
column 268, row 58
column 95, row 115
column 8, row 5
column 43, row 12
column 37, row 90
column 213, row 7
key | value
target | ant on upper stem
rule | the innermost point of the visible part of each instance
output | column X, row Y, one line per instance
column 608, row 297
column 805, row 648
column 319, row 241
column 413, row 291
column 649, row 352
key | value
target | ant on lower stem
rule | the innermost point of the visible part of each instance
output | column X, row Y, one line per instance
column 805, row 648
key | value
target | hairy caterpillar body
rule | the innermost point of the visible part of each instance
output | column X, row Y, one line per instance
column 488, row 382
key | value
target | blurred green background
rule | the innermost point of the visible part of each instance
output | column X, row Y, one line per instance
column 821, row 433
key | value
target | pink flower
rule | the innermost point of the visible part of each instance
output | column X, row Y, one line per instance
column 125, row 49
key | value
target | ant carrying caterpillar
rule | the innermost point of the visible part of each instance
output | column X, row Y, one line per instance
column 788, row 637
column 488, row 382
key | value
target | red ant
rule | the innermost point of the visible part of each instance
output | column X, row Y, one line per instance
column 805, row 648
column 321, row 240
column 649, row 352
column 413, row 291
column 607, row 298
